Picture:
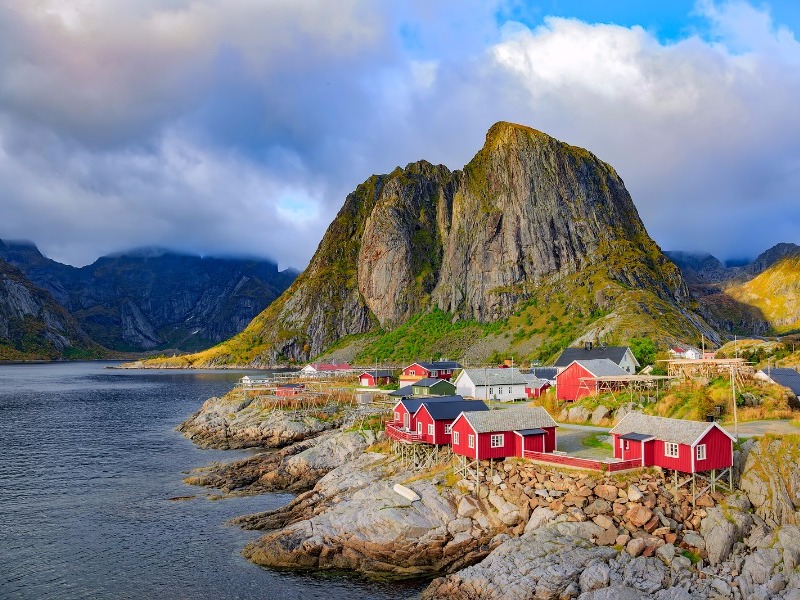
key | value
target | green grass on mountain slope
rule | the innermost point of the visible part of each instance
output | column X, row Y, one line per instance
column 695, row 400
column 776, row 293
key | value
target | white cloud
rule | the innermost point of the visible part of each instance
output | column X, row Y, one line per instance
column 240, row 126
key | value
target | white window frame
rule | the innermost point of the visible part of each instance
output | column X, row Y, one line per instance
column 510, row 390
column 448, row 429
column 498, row 440
column 455, row 437
column 419, row 428
column 396, row 416
column 491, row 391
column 621, row 444
column 701, row 452
column 430, row 428
column 471, row 440
column 671, row 449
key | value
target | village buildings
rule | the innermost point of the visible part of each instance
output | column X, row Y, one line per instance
column 579, row 378
column 431, row 386
column 434, row 420
column 503, row 433
column 620, row 355
column 675, row 444
column 375, row 377
column 440, row 369
column 504, row 384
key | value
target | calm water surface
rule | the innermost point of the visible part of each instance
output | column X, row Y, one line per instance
column 89, row 460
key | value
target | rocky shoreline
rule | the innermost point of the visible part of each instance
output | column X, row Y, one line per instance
column 529, row 531
column 237, row 421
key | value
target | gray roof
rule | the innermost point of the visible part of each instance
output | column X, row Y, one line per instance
column 403, row 391
column 438, row 365
column 662, row 428
column 602, row 367
column 495, row 376
column 516, row 418
column 787, row 378
column 430, row 382
column 524, row 432
column 450, row 410
column 613, row 353
column 413, row 404
column 545, row 372
column 534, row 382
column 378, row 373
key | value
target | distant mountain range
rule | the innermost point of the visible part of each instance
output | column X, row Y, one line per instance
column 758, row 298
column 153, row 299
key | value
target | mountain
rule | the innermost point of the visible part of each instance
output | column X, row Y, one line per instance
column 33, row 326
column 533, row 245
column 756, row 298
column 154, row 299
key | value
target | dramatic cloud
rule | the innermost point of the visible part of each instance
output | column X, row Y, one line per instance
column 238, row 127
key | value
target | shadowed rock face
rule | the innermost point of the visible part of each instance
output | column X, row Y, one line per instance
column 149, row 299
column 527, row 211
column 33, row 325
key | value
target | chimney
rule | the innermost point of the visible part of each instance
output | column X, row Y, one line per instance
column 587, row 346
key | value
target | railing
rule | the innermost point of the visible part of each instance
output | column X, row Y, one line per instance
column 582, row 463
column 400, row 435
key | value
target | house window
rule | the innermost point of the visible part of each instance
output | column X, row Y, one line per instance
column 491, row 391
column 701, row 452
column 396, row 416
column 448, row 429
column 430, row 428
column 419, row 428
column 627, row 445
column 412, row 372
column 471, row 441
column 497, row 440
column 671, row 449
column 455, row 437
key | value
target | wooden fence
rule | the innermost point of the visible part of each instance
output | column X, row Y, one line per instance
column 583, row 463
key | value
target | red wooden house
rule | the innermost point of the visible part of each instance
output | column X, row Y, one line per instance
column 290, row 389
column 503, row 433
column 374, row 377
column 578, row 379
column 440, row 369
column 535, row 387
column 434, row 419
column 403, row 413
column 676, row 444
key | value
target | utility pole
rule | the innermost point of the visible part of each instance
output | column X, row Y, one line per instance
column 733, row 393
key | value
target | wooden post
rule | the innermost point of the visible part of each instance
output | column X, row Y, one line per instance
column 694, row 490
column 713, row 480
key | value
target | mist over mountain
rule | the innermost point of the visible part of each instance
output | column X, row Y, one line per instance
column 154, row 298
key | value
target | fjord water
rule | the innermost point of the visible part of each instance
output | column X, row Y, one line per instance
column 89, row 460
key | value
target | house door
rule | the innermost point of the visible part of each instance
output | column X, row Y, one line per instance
column 406, row 420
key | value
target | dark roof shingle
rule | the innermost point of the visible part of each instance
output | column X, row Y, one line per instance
column 613, row 353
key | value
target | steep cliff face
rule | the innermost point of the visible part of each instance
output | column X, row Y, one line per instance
column 34, row 326
column 527, row 217
column 151, row 299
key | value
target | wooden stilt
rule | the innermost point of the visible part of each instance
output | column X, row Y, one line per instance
column 694, row 490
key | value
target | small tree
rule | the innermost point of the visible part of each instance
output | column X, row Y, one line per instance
column 644, row 349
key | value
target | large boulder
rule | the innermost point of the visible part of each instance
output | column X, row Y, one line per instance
column 719, row 533
column 598, row 414
column 578, row 414
column 771, row 479
column 546, row 563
